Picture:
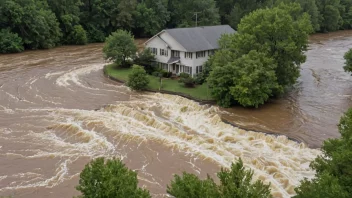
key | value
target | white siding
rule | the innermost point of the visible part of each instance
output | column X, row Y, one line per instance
column 165, row 41
column 156, row 42
column 174, row 45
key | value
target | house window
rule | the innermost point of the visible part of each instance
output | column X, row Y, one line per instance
column 188, row 55
column 163, row 52
column 199, row 69
column 188, row 70
column 154, row 50
column 165, row 67
column 175, row 53
column 200, row 54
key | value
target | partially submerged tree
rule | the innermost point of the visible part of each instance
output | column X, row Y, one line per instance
column 235, row 182
column 263, row 57
column 334, row 167
column 120, row 46
column 248, row 80
column 138, row 79
column 110, row 178
column 348, row 63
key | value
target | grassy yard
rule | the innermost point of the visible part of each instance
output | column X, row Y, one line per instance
column 199, row 92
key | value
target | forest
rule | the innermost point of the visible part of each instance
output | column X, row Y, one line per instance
column 43, row 24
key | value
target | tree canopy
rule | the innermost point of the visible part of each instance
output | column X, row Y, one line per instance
column 109, row 178
column 138, row 79
column 120, row 46
column 234, row 182
column 334, row 167
column 348, row 61
column 262, row 58
column 44, row 24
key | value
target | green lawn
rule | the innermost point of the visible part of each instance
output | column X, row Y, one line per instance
column 199, row 92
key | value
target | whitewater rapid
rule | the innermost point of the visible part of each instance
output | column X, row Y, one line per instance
column 144, row 121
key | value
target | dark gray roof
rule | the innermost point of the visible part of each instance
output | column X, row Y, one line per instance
column 200, row 38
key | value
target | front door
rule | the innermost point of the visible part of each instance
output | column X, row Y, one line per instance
column 177, row 69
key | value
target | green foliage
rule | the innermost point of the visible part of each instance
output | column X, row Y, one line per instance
column 151, row 17
column 138, row 79
column 67, row 12
column 78, row 36
column 262, row 58
column 334, row 167
column 120, row 46
column 33, row 21
column 236, row 182
column 348, row 63
column 281, row 33
column 10, row 42
column 110, row 178
column 146, row 59
column 248, row 80
column 183, row 14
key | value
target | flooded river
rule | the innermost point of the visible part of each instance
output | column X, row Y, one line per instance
column 58, row 111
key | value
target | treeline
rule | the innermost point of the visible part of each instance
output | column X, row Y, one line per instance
column 42, row 24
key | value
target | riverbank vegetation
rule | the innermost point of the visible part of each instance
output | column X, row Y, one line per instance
column 42, row 24
column 348, row 61
column 263, row 58
column 199, row 92
column 111, row 178
column 334, row 167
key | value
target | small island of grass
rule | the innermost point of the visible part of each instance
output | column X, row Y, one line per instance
column 199, row 92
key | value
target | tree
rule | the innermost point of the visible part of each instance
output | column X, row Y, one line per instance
column 138, row 79
column 10, row 42
column 330, row 15
column 119, row 46
column 146, row 59
column 78, row 36
column 334, row 167
column 348, row 63
column 236, row 182
column 248, row 80
column 67, row 12
column 187, row 12
column 280, row 32
column 33, row 21
column 151, row 17
column 310, row 7
column 241, row 8
column 110, row 178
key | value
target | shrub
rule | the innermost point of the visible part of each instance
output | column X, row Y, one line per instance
column 138, row 79
column 200, row 78
column 184, row 75
column 146, row 59
column 110, row 178
column 188, row 82
column 167, row 74
column 10, row 42
column 78, row 36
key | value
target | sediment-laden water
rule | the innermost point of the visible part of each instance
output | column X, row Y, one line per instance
column 58, row 111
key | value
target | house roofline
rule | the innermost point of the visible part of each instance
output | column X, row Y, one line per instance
column 157, row 35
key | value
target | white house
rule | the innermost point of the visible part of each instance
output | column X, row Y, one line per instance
column 186, row 49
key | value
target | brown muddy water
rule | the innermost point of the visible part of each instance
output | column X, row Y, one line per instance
column 58, row 111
